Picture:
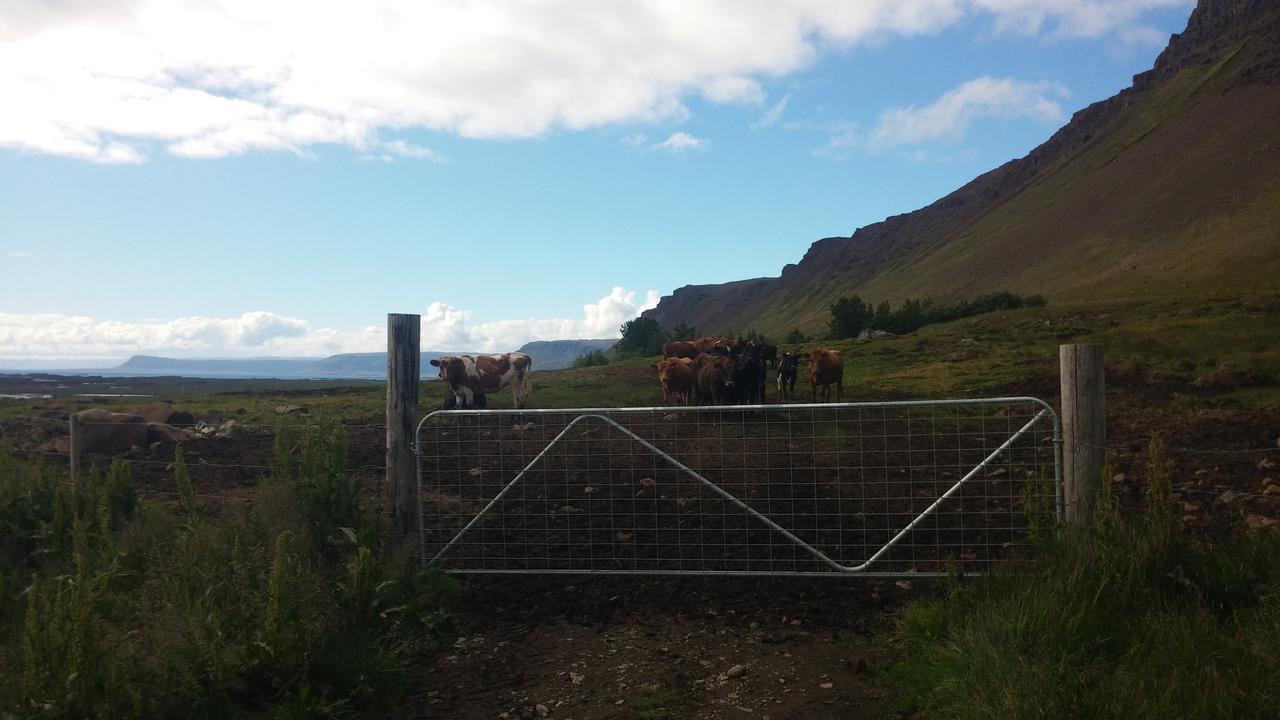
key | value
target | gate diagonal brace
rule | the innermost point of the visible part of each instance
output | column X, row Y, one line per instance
column 810, row 549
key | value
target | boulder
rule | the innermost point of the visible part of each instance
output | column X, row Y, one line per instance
column 159, row 432
column 163, row 412
column 231, row 430
column 103, row 431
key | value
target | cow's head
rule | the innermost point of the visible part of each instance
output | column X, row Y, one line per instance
column 452, row 369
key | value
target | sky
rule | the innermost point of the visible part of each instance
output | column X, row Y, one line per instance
column 236, row 178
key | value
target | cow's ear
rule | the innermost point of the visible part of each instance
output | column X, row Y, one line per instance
column 435, row 363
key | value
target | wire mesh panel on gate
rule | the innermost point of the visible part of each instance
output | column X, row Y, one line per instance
column 889, row 488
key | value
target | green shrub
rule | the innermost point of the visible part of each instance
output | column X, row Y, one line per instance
column 115, row 606
column 1130, row 617
column 594, row 358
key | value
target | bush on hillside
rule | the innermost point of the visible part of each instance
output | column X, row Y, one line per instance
column 641, row 337
column 851, row 315
column 592, row 359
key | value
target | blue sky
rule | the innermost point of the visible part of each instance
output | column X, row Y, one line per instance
column 167, row 215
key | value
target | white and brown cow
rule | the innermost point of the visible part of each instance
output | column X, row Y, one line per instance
column 471, row 375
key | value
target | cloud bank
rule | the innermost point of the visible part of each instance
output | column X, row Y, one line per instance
column 260, row 333
column 949, row 116
column 114, row 81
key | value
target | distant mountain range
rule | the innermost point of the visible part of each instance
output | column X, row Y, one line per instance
column 546, row 355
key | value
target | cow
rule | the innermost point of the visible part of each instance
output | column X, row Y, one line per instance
column 826, row 367
column 714, row 379
column 769, row 355
column 749, row 374
column 710, row 343
column 469, row 375
column 677, row 378
column 788, row 366
column 679, row 349
column 478, row 401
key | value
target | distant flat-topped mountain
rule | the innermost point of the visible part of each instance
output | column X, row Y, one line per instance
column 1168, row 188
column 546, row 355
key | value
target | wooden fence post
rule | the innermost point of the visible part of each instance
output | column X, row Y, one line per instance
column 403, row 359
column 1084, row 428
column 74, row 425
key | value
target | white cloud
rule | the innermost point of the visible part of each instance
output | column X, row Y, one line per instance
column 446, row 327
column 773, row 114
column 949, row 117
column 19, row 254
column 1073, row 18
column 117, row 80
column 680, row 142
column 259, row 333
column 407, row 150
column 253, row 333
column 844, row 141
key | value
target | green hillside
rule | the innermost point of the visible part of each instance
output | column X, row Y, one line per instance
column 1170, row 189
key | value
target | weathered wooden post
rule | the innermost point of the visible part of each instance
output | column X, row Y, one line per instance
column 403, row 359
column 1084, row 428
column 75, row 450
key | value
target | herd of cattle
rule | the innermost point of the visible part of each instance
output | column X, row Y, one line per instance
column 705, row 371
column 724, row 371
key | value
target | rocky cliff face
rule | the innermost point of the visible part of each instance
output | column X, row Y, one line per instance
column 1248, row 31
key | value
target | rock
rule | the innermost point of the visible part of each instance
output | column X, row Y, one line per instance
column 1271, row 490
column 1259, row 522
column 102, row 431
column 1226, row 377
column 576, row 678
column 542, row 710
column 648, row 482
column 519, row 429
column 231, row 430
column 826, row 685
column 736, row 671
column 1266, row 464
column 290, row 410
column 163, row 412
column 1228, row 497
column 1190, row 507
column 1118, row 478
column 159, row 432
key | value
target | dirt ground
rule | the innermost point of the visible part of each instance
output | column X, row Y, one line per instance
column 592, row 648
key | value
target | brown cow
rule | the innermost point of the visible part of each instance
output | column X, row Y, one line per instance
column 714, row 379
column 679, row 349
column 708, row 343
column 826, row 367
column 677, row 379
column 469, row 376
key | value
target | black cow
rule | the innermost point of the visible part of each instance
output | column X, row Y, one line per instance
column 788, row 368
column 769, row 355
column 749, row 374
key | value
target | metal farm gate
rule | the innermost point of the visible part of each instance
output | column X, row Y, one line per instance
column 885, row 488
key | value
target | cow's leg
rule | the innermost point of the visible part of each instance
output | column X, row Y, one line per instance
column 839, row 389
column 519, row 393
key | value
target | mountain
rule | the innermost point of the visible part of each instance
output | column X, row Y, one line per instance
column 272, row 367
column 1170, row 187
column 546, row 355
column 560, row 354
